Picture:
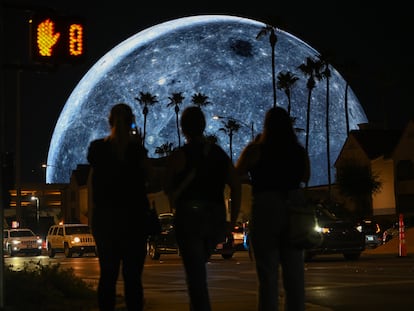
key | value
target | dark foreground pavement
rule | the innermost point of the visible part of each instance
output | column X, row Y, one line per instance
column 225, row 298
column 235, row 302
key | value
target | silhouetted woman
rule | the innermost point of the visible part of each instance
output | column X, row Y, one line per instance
column 275, row 164
column 200, row 211
column 120, row 171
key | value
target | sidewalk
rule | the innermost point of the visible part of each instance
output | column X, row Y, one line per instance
column 234, row 303
column 176, row 299
column 222, row 299
column 392, row 247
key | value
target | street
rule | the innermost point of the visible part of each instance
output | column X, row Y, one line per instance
column 375, row 281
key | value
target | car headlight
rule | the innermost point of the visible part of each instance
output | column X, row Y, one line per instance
column 16, row 242
column 323, row 230
column 76, row 240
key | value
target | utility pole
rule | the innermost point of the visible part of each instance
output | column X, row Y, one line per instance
column 2, row 158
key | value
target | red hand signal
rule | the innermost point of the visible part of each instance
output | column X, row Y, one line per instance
column 46, row 38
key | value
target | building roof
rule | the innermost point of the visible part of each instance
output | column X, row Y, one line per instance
column 81, row 173
column 377, row 142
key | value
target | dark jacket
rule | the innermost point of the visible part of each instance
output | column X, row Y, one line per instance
column 118, row 186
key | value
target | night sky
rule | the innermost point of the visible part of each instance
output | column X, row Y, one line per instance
column 369, row 46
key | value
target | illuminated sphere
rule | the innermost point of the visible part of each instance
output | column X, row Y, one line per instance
column 218, row 56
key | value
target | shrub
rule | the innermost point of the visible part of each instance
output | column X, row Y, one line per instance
column 46, row 288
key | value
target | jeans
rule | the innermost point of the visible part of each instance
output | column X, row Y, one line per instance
column 196, row 239
column 269, row 226
column 129, row 254
column 195, row 252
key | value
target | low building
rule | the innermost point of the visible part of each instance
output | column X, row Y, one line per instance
column 38, row 206
column 390, row 156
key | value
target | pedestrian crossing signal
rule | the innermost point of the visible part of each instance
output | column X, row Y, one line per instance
column 57, row 39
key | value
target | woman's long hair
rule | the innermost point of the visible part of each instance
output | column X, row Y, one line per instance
column 121, row 119
column 278, row 128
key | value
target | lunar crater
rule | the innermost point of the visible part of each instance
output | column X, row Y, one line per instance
column 217, row 55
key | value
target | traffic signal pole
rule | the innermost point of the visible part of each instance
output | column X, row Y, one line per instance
column 67, row 48
column 2, row 158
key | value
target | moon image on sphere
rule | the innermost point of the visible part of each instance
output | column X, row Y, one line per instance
column 220, row 57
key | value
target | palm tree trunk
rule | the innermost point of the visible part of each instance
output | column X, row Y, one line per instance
column 272, row 41
column 308, row 120
column 145, row 130
column 346, row 109
column 231, row 146
column 289, row 105
column 178, row 128
column 274, row 76
column 328, row 152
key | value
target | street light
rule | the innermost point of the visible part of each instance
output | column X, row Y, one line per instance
column 34, row 198
column 45, row 166
column 251, row 126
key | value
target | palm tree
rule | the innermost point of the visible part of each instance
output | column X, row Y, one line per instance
column 272, row 40
column 312, row 71
column 146, row 99
column 326, row 74
column 359, row 183
column 346, row 107
column 165, row 149
column 230, row 126
column 349, row 67
column 200, row 100
column 176, row 100
column 285, row 81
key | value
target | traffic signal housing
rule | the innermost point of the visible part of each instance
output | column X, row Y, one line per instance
column 56, row 39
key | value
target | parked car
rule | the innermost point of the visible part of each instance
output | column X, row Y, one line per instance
column 240, row 235
column 166, row 243
column 22, row 240
column 391, row 233
column 340, row 236
column 70, row 239
column 372, row 231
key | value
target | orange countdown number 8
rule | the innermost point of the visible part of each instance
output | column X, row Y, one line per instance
column 76, row 39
